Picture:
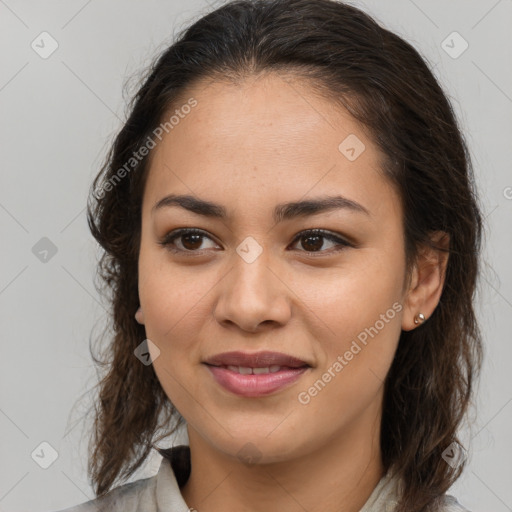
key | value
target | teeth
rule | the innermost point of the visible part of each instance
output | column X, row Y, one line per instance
column 244, row 370
column 260, row 370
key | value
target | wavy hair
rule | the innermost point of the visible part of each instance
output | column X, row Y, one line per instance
column 385, row 84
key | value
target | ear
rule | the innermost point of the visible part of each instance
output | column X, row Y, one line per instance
column 427, row 280
column 139, row 316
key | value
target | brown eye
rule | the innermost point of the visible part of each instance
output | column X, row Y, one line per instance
column 189, row 240
column 313, row 240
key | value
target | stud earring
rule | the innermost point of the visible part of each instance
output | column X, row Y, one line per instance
column 419, row 318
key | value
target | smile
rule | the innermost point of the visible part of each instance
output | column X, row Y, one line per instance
column 255, row 382
column 245, row 370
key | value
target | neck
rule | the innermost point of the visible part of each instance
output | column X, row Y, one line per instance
column 338, row 475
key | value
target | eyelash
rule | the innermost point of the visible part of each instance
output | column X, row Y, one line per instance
column 168, row 241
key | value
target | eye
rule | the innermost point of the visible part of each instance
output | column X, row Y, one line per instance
column 314, row 241
column 190, row 240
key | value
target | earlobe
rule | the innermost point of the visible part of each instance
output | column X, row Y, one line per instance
column 139, row 316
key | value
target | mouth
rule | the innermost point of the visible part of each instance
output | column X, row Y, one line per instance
column 255, row 375
column 257, row 360
column 247, row 370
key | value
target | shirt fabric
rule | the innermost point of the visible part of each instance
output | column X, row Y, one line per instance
column 161, row 492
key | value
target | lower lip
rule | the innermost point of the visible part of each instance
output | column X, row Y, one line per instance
column 255, row 385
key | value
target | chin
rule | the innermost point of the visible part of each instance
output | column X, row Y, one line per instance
column 256, row 447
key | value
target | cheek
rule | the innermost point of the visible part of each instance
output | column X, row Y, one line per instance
column 176, row 308
column 169, row 295
column 360, row 315
column 362, row 326
column 172, row 304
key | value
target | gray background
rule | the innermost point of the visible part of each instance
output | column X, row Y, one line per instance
column 58, row 116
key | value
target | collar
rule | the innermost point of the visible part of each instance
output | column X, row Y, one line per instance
column 173, row 473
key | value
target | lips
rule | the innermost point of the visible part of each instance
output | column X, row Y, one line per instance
column 264, row 359
column 255, row 375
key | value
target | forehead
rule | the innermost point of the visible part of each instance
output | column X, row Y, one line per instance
column 266, row 138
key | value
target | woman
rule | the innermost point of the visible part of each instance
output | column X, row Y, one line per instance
column 291, row 240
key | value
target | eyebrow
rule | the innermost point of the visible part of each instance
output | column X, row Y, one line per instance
column 282, row 212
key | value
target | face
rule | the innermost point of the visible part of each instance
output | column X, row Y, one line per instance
column 249, row 281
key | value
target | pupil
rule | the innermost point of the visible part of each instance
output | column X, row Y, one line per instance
column 195, row 244
column 312, row 246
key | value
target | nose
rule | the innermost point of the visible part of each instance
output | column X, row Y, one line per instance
column 253, row 296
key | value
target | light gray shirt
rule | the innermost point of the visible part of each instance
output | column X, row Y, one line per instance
column 161, row 492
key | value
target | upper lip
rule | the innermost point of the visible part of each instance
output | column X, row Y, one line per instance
column 255, row 360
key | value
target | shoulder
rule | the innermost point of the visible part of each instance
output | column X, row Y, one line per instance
column 130, row 497
column 153, row 494
column 450, row 504
column 444, row 503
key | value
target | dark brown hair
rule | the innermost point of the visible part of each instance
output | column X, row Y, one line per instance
column 388, row 87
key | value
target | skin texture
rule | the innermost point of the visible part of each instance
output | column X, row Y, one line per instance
column 283, row 148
